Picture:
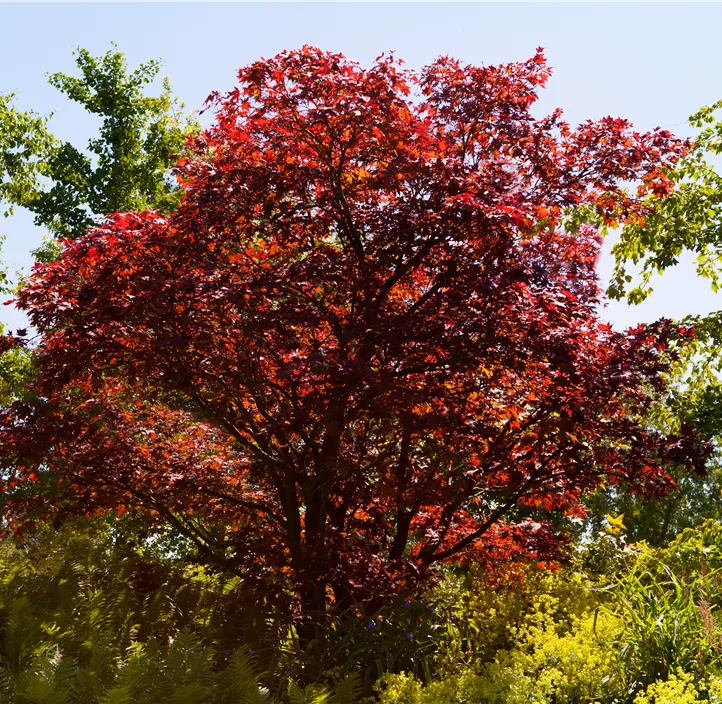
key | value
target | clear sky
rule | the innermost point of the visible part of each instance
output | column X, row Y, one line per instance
column 652, row 63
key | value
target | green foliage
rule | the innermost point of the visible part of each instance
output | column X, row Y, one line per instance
column 86, row 620
column 480, row 618
column 124, row 168
column 553, row 651
column 464, row 620
column 15, row 371
column 25, row 143
column 401, row 634
column 669, row 622
column 619, row 624
column 688, row 219
column 691, row 406
column 678, row 689
column 658, row 521
column 546, row 665
column 100, row 614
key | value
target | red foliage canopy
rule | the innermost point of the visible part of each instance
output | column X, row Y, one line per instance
column 366, row 343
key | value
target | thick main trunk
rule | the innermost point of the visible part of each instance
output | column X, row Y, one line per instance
column 314, row 618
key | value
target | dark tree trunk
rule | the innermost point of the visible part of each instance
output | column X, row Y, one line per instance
column 312, row 629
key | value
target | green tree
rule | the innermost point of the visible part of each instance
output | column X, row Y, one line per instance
column 687, row 219
column 657, row 522
column 124, row 167
column 15, row 372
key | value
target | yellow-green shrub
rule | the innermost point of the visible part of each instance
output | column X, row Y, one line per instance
column 678, row 689
column 557, row 658
column 478, row 619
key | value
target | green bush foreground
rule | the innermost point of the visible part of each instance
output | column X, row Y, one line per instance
column 89, row 619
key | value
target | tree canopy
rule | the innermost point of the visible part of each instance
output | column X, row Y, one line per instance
column 365, row 344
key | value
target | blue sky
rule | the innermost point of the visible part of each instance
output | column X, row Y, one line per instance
column 651, row 63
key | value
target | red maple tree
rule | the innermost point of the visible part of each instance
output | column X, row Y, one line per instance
column 366, row 343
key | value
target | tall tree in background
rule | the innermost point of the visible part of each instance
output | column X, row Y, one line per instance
column 687, row 219
column 126, row 167
column 367, row 342
column 68, row 188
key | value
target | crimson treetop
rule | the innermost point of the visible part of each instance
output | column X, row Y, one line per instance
column 366, row 342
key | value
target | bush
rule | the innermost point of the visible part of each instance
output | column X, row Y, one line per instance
column 556, row 658
column 90, row 616
column 84, row 618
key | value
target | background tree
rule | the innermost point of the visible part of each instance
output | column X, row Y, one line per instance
column 126, row 167
column 687, row 219
column 364, row 345
column 695, row 499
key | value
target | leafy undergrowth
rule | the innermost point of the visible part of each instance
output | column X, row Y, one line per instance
column 88, row 617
